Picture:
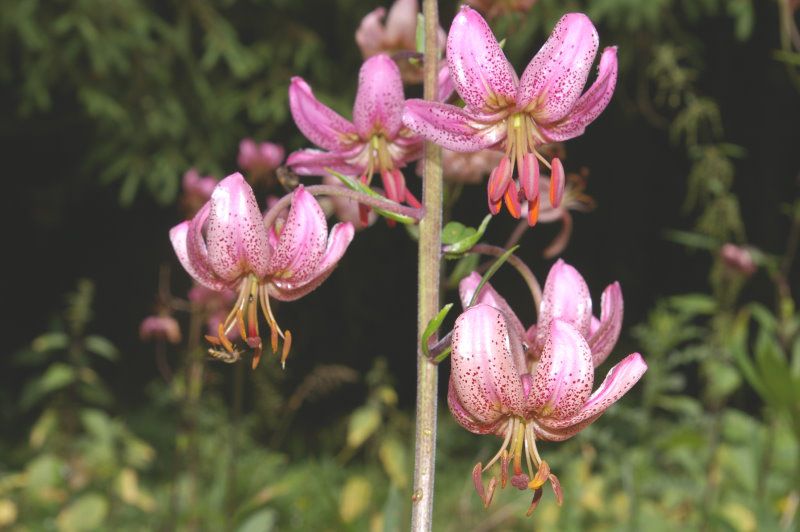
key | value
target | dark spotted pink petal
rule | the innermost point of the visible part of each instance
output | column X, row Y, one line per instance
column 452, row 127
column 319, row 123
column 235, row 236
column 488, row 296
column 605, row 336
column 379, row 101
column 198, row 272
column 619, row 380
column 482, row 75
column 564, row 376
column 590, row 105
column 465, row 419
column 566, row 297
column 340, row 237
column 316, row 162
column 301, row 241
column 485, row 379
column 555, row 77
column 198, row 251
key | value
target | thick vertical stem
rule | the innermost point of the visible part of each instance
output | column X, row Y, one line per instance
column 430, row 232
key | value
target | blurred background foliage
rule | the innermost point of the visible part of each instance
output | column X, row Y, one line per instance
column 106, row 104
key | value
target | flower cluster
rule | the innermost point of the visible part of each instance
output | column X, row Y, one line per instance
column 227, row 246
column 535, row 384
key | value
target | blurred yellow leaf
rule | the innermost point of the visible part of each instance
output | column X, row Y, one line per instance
column 8, row 512
column 86, row 513
column 395, row 461
column 363, row 423
column 355, row 498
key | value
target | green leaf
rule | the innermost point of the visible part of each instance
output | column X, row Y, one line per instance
column 364, row 421
column 394, row 460
column 56, row 377
column 358, row 186
column 102, row 347
column 51, row 341
column 491, row 271
column 44, row 426
column 420, row 33
column 87, row 512
column 461, row 239
column 465, row 265
column 694, row 304
column 432, row 327
column 774, row 370
column 355, row 498
column 261, row 521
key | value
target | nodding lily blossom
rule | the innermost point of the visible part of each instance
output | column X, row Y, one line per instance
column 496, row 389
column 517, row 115
column 397, row 37
column 259, row 158
column 196, row 190
column 162, row 327
column 739, row 259
column 226, row 246
column 375, row 142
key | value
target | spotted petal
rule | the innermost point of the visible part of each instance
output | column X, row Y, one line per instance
column 452, row 127
column 198, row 272
column 590, row 105
column 565, row 374
column 483, row 77
column 555, row 77
column 606, row 334
column 236, row 236
column 486, row 364
column 379, row 101
column 488, row 296
column 566, row 297
column 316, row 162
column 619, row 380
column 319, row 123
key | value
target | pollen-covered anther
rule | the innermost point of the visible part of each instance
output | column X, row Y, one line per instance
column 487, row 493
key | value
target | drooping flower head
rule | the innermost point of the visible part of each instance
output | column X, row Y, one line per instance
column 160, row 327
column 259, row 159
column 536, row 384
column 375, row 142
column 517, row 115
column 737, row 258
column 226, row 246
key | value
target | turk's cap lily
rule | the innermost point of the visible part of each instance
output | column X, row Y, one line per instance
column 304, row 253
column 513, row 114
column 161, row 327
column 738, row 258
column 492, row 382
column 226, row 240
column 259, row 157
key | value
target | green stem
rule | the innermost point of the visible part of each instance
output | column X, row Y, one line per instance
column 429, row 270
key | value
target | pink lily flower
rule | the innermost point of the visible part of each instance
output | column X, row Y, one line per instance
column 346, row 209
column 162, row 327
column 517, row 115
column 259, row 158
column 226, row 246
column 375, row 142
column 739, row 259
column 397, row 37
column 496, row 389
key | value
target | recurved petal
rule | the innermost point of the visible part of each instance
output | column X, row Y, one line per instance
column 236, row 237
column 319, row 123
column 565, row 297
column 591, row 104
column 379, row 101
column 316, row 162
column 370, row 33
column 564, row 376
column 487, row 296
column 619, row 380
column 452, row 127
column 340, row 237
column 484, row 375
column 464, row 418
column 554, row 79
column 301, row 241
column 483, row 77
column 602, row 341
column 445, row 86
column 198, row 272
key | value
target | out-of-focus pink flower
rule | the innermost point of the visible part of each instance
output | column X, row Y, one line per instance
column 517, row 115
column 468, row 168
column 215, row 306
column 226, row 247
column 738, row 259
column 196, row 190
column 536, row 384
column 160, row 327
column 396, row 37
column 259, row 159
column 494, row 8
column 375, row 142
